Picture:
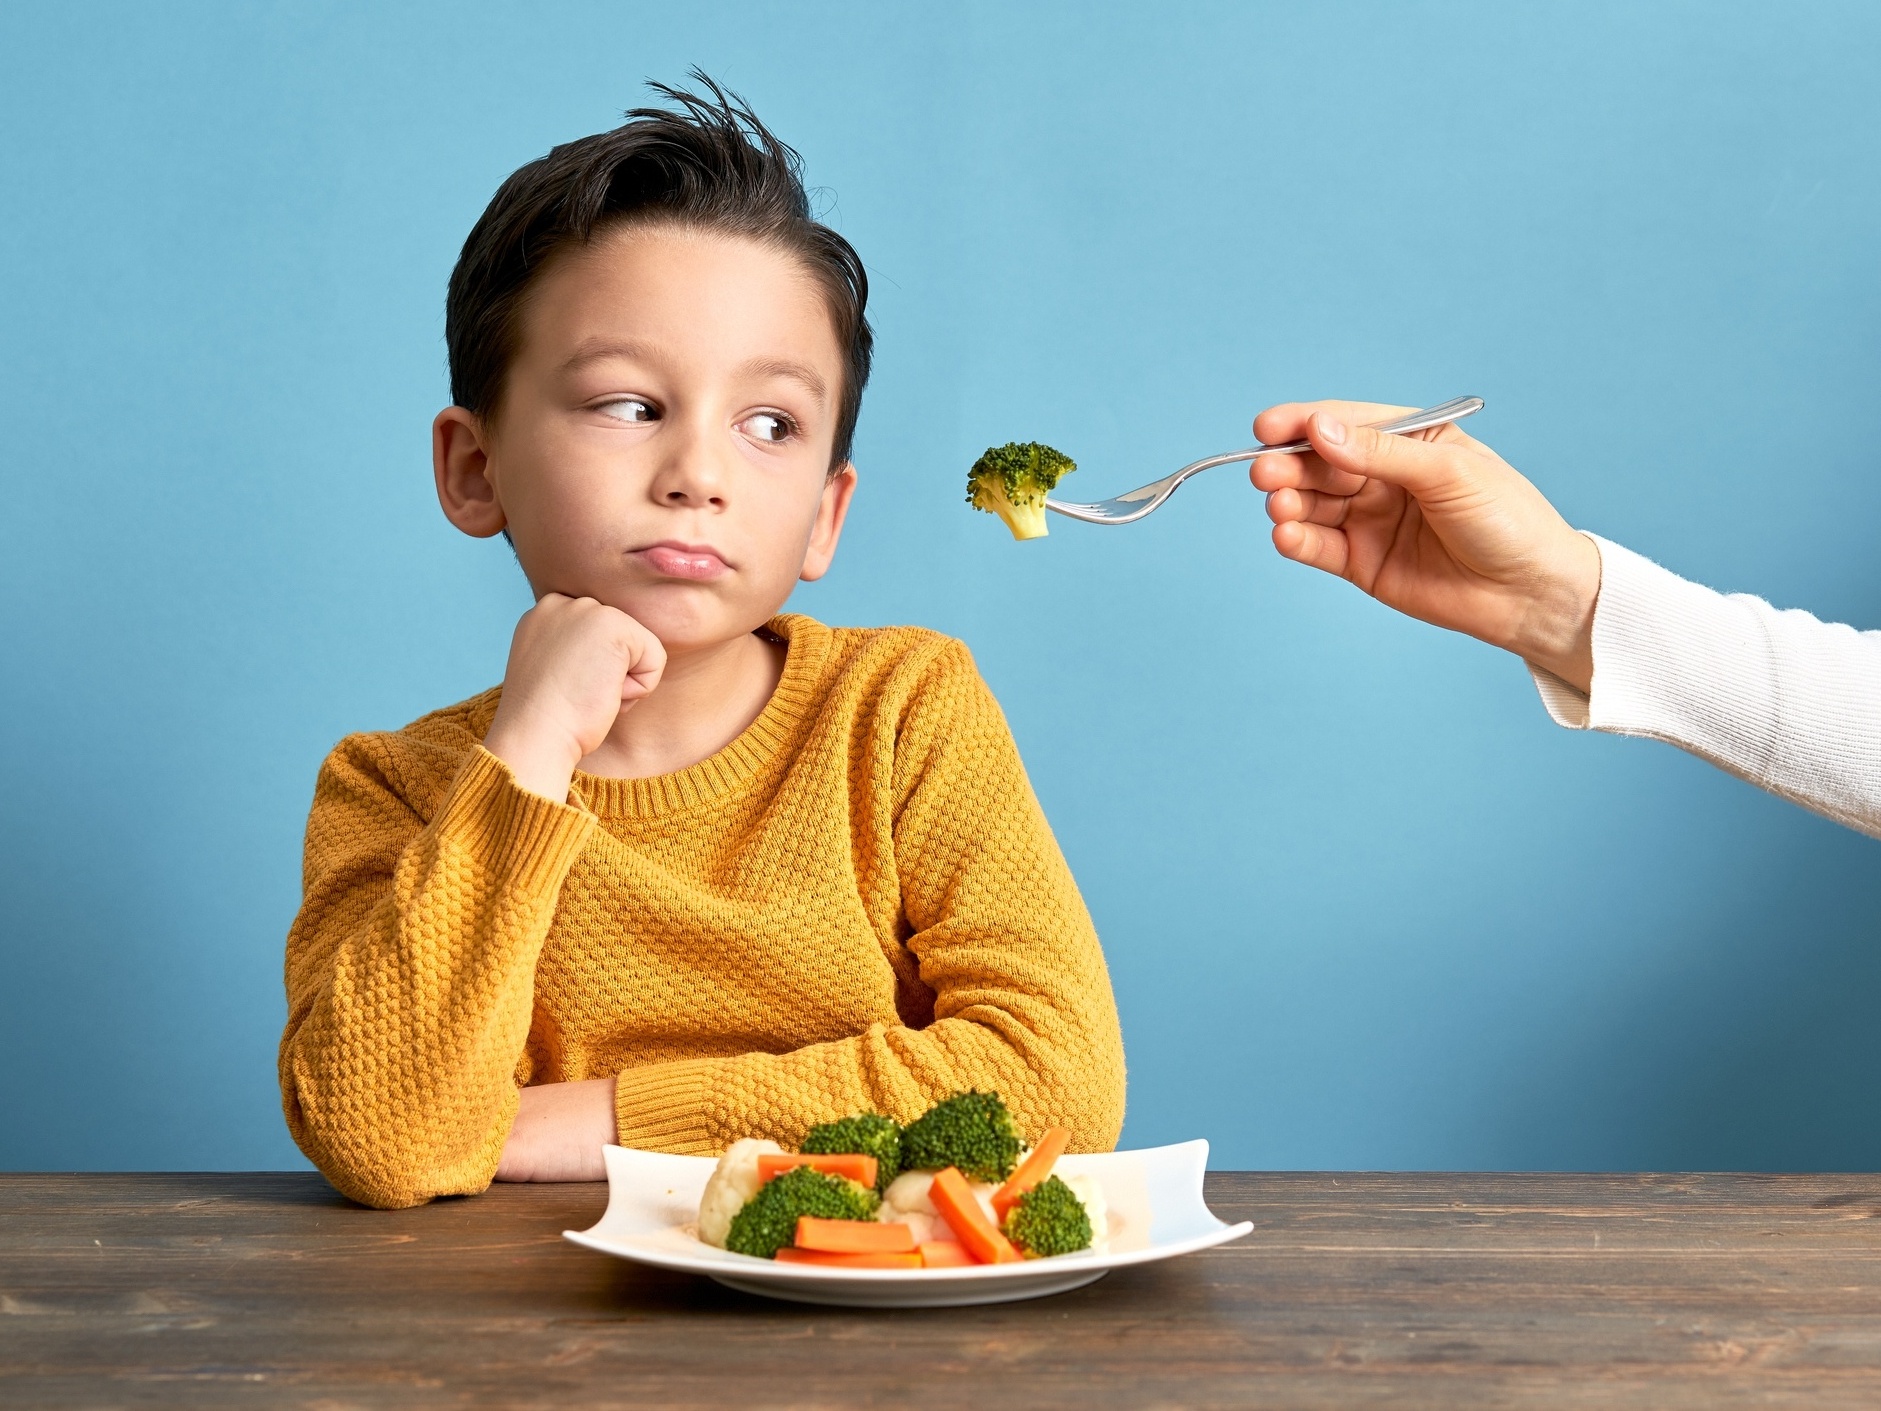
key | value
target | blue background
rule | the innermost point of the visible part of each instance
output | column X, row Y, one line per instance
column 1364, row 905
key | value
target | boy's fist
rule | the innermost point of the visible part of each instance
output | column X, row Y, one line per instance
column 574, row 665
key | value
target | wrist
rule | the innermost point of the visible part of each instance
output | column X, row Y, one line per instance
column 1556, row 632
column 536, row 760
column 559, row 1132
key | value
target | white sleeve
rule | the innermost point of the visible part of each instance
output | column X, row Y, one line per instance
column 1786, row 701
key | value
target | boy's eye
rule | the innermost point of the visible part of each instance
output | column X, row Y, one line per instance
column 629, row 409
column 768, row 426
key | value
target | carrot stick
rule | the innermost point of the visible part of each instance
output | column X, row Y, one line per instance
column 860, row 1169
column 853, row 1236
column 945, row 1254
column 881, row 1259
column 954, row 1199
column 1033, row 1170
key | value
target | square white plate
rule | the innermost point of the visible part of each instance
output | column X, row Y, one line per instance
column 1156, row 1212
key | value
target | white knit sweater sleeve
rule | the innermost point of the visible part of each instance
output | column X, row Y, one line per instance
column 1782, row 699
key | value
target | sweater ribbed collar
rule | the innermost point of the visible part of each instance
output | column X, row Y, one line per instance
column 806, row 647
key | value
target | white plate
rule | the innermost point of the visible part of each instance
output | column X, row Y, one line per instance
column 1156, row 1212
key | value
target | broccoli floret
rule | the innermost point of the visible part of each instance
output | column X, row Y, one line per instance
column 1049, row 1219
column 867, row 1135
column 768, row 1220
column 1012, row 481
column 971, row 1130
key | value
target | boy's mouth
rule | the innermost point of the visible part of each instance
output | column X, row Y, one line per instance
column 670, row 559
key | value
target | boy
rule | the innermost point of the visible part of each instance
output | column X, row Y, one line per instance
column 695, row 871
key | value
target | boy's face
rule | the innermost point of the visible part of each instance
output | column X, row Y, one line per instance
column 663, row 441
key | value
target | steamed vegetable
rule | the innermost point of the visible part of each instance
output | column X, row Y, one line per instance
column 734, row 1181
column 1012, row 481
column 945, row 1254
column 954, row 1199
column 768, row 1221
column 860, row 1169
column 1034, row 1169
column 853, row 1236
column 972, row 1131
column 1049, row 1219
column 908, row 1260
column 866, row 1193
column 867, row 1135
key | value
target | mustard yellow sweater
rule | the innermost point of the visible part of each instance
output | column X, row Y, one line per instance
column 854, row 906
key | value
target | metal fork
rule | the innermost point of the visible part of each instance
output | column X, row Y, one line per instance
column 1132, row 505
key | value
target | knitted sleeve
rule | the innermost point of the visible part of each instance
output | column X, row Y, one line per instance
column 411, row 970
column 1023, row 1002
column 1788, row 702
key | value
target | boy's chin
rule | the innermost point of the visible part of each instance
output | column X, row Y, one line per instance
column 692, row 626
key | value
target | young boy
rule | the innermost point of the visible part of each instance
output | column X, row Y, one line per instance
column 695, row 871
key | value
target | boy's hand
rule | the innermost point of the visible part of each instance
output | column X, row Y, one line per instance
column 1436, row 525
column 574, row 666
column 559, row 1132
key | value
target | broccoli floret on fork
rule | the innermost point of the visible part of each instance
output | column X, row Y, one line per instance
column 1012, row 481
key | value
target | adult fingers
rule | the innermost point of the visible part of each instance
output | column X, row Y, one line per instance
column 1315, row 545
column 1287, row 421
column 1308, row 507
column 1423, row 468
column 1272, row 473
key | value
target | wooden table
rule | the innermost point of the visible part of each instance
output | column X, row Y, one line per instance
column 1359, row 1290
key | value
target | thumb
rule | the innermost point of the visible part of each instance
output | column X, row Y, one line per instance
column 1423, row 469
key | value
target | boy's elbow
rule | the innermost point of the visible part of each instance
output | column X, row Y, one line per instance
column 1091, row 1077
column 380, row 1190
column 386, row 1180
column 1078, row 1084
column 381, row 1167
column 1092, row 1098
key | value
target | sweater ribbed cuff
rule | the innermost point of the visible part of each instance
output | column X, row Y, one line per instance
column 530, row 840
column 1673, row 661
column 1566, row 706
column 661, row 1107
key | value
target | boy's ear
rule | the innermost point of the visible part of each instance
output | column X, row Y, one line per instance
column 833, row 509
column 460, row 463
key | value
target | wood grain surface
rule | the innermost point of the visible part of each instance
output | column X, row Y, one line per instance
column 1354, row 1290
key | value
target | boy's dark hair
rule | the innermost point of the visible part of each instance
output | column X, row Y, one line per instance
column 710, row 165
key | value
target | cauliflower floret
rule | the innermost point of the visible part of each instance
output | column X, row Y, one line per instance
column 733, row 1182
column 909, row 1201
column 908, row 1193
column 1091, row 1196
column 927, row 1229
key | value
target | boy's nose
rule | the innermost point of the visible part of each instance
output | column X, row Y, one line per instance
column 692, row 475
column 692, row 494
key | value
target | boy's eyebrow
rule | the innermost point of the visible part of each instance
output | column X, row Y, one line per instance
column 593, row 350
column 796, row 372
column 596, row 349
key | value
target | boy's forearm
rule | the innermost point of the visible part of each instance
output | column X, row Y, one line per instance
column 1052, row 1067
column 394, row 1085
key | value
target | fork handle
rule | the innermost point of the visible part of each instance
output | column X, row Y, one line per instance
column 1454, row 410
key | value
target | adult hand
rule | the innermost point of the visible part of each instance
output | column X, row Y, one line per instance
column 559, row 1131
column 1434, row 524
column 574, row 665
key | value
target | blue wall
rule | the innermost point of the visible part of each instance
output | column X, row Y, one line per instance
column 1365, row 906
